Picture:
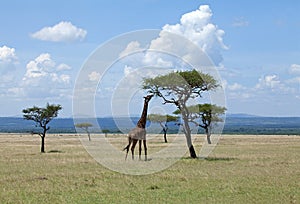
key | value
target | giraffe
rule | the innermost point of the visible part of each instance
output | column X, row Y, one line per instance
column 139, row 132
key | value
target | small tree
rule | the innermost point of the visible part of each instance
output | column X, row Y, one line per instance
column 105, row 131
column 42, row 116
column 163, row 121
column 204, row 115
column 85, row 127
column 177, row 88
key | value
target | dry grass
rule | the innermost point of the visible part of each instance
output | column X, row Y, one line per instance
column 242, row 169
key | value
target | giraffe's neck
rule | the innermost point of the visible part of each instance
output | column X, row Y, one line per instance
column 142, row 122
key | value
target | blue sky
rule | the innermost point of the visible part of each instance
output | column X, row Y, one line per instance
column 260, row 49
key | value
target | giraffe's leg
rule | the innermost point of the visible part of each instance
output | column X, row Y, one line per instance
column 140, row 149
column 132, row 147
column 145, row 148
column 127, row 147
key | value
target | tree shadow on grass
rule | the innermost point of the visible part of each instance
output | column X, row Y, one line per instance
column 55, row 151
column 210, row 158
column 219, row 158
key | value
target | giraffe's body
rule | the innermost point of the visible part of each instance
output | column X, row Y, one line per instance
column 139, row 132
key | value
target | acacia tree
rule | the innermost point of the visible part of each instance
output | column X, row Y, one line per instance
column 85, row 127
column 204, row 116
column 42, row 116
column 163, row 121
column 177, row 88
column 106, row 131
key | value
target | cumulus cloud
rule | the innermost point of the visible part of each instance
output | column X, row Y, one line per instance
column 94, row 76
column 157, row 59
column 268, row 81
column 63, row 67
column 235, row 90
column 131, row 47
column 270, row 85
column 8, row 69
column 273, row 83
column 43, row 70
column 7, row 54
column 295, row 69
column 128, row 70
column 61, row 32
column 179, row 42
column 44, row 78
column 39, row 67
column 63, row 78
column 235, row 87
column 197, row 27
column 133, row 76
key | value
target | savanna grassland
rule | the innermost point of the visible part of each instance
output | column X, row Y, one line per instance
column 241, row 169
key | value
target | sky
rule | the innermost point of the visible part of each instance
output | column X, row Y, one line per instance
column 254, row 45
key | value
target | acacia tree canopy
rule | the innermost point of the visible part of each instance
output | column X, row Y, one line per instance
column 180, row 86
column 158, row 118
column 162, row 120
column 85, row 127
column 42, row 116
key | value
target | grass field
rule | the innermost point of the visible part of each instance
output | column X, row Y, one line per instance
column 242, row 169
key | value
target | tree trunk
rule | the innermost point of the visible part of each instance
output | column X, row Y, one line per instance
column 208, row 135
column 165, row 135
column 43, row 144
column 165, row 129
column 43, row 139
column 192, row 152
column 187, row 132
column 89, row 135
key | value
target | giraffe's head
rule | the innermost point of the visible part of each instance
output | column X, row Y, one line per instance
column 148, row 98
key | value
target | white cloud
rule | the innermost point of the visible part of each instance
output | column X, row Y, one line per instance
column 9, row 72
column 274, row 84
column 42, row 80
column 63, row 78
column 166, row 51
column 268, row 81
column 7, row 54
column 240, row 22
column 62, row 67
column 39, row 67
column 236, row 90
column 128, row 70
column 157, row 59
column 133, row 77
column 176, row 45
column 43, row 71
column 61, row 32
column 268, row 87
column 94, row 76
column 295, row 69
column 131, row 47
column 15, row 91
column 295, row 80
column 235, row 87
column 197, row 27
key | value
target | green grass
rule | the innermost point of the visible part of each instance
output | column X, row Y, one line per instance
column 242, row 169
